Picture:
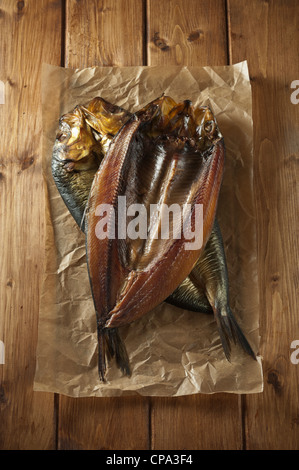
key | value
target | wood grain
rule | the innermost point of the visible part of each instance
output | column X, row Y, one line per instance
column 182, row 423
column 115, row 32
column 186, row 33
column 104, row 33
column 266, row 35
column 199, row 422
column 30, row 33
column 103, row 424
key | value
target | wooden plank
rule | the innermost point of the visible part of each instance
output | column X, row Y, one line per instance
column 266, row 34
column 30, row 34
column 119, row 423
column 191, row 33
column 199, row 422
column 104, row 33
column 186, row 33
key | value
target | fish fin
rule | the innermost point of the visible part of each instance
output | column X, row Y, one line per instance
column 229, row 331
column 187, row 304
column 111, row 345
column 118, row 348
column 190, row 296
column 102, row 355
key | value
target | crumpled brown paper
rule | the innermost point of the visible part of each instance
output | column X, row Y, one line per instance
column 172, row 351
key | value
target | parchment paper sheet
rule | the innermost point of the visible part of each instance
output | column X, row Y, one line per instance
column 172, row 351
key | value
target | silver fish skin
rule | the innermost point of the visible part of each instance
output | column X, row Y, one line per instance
column 210, row 277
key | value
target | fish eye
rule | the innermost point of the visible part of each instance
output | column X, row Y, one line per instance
column 209, row 127
column 61, row 136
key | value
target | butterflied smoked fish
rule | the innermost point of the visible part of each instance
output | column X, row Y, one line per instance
column 83, row 140
column 156, row 158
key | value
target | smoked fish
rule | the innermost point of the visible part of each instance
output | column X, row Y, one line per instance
column 166, row 153
column 156, row 158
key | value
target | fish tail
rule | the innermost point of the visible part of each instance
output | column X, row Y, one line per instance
column 229, row 331
column 111, row 345
column 118, row 349
column 102, row 354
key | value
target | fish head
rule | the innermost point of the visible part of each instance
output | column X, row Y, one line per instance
column 76, row 157
column 155, row 115
column 82, row 141
column 105, row 119
column 194, row 124
column 187, row 124
column 206, row 127
column 75, row 142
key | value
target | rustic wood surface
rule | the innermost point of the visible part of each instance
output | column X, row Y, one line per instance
column 268, row 37
column 79, row 33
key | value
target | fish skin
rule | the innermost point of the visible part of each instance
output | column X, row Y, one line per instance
column 100, row 256
column 139, row 286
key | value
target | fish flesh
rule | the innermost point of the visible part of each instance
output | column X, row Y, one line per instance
column 156, row 158
column 164, row 129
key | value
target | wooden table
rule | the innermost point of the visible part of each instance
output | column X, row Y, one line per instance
column 80, row 33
